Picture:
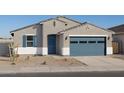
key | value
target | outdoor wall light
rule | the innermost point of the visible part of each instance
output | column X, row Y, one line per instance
column 66, row 38
column 108, row 37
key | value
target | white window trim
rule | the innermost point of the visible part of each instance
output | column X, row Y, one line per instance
column 29, row 41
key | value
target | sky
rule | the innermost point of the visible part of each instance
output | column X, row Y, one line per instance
column 12, row 22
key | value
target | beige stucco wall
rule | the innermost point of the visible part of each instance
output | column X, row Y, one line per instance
column 87, row 29
column 60, row 43
column 34, row 30
column 49, row 28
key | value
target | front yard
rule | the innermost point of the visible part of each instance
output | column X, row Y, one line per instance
column 36, row 61
column 54, row 63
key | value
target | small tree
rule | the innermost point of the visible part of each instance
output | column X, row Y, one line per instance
column 13, row 53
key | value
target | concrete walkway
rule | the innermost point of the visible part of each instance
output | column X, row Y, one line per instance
column 100, row 63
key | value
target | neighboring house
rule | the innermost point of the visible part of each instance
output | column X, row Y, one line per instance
column 63, row 36
column 119, row 36
column 4, row 46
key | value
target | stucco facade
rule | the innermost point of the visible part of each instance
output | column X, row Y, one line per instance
column 119, row 36
column 63, row 28
column 86, row 30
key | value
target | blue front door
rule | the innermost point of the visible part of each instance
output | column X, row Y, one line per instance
column 51, row 44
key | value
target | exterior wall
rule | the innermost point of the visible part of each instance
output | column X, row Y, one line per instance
column 32, row 30
column 31, row 50
column 50, row 28
column 87, row 30
column 120, row 39
column 60, row 44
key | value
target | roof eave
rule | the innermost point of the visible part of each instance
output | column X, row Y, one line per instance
column 117, row 26
column 23, row 28
column 111, row 31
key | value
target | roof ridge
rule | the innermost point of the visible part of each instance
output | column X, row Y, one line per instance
column 69, row 19
column 61, row 20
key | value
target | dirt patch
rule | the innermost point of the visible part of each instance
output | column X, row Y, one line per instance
column 118, row 56
column 48, row 61
column 38, row 61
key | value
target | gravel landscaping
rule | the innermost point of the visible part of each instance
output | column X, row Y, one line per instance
column 37, row 61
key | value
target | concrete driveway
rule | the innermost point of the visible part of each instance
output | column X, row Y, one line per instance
column 102, row 63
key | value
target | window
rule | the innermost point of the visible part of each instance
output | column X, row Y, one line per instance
column 29, row 38
column 74, row 42
column 83, row 42
column 29, row 41
column 100, row 41
column 91, row 41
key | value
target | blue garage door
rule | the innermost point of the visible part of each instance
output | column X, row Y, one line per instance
column 87, row 46
column 52, row 44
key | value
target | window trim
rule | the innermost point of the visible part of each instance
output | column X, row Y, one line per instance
column 30, row 41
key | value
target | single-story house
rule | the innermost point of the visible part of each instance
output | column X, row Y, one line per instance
column 63, row 36
column 119, row 36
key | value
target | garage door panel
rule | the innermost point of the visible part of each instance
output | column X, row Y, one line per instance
column 87, row 46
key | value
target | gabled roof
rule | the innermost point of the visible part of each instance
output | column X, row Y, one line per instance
column 23, row 27
column 118, row 28
column 85, row 24
column 103, row 28
column 41, row 22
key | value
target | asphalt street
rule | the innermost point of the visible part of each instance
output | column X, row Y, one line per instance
column 67, row 74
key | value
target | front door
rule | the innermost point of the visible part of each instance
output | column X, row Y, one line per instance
column 51, row 44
